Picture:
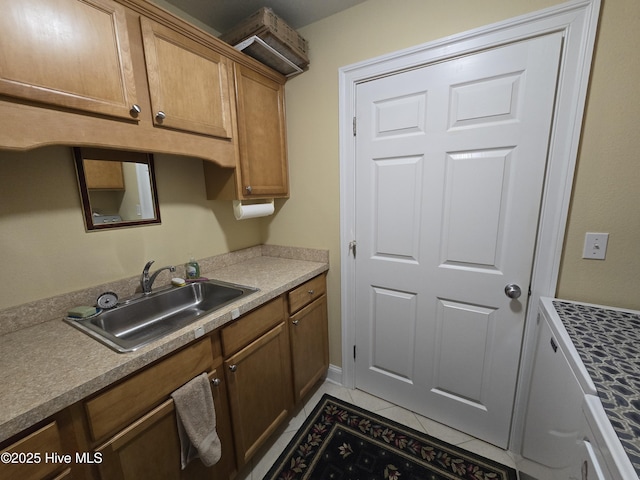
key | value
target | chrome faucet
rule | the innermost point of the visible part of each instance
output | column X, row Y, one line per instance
column 146, row 281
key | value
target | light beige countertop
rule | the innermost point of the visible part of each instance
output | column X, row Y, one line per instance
column 51, row 365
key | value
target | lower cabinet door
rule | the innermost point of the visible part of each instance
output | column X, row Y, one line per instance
column 150, row 447
column 260, row 390
column 309, row 346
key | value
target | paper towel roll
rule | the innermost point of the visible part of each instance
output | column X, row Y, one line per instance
column 252, row 210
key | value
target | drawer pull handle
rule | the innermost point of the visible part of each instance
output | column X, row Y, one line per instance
column 233, row 368
column 215, row 382
column 295, row 322
column 311, row 292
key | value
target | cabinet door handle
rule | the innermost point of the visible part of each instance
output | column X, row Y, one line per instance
column 161, row 116
column 233, row 368
column 135, row 110
column 311, row 292
column 295, row 322
column 215, row 381
column 248, row 189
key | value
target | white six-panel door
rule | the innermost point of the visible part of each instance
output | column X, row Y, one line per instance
column 450, row 164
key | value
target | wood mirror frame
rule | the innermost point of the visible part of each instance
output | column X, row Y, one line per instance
column 103, row 173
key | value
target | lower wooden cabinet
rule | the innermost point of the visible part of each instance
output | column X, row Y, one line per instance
column 132, row 429
column 308, row 327
column 309, row 346
column 119, row 406
column 260, row 395
column 150, row 447
column 26, row 457
column 260, row 365
column 45, row 451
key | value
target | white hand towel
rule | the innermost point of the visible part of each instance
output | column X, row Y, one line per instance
column 196, row 418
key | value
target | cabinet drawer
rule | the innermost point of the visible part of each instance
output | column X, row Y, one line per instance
column 34, row 447
column 307, row 293
column 251, row 326
column 119, row 405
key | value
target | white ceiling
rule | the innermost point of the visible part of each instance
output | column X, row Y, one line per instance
column 222, row 15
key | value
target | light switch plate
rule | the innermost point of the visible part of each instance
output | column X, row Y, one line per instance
column 595, row 245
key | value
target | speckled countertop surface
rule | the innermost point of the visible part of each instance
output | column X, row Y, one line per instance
column 608, row 342
column 51, row 365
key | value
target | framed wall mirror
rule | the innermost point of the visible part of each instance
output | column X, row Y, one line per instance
column 117, row 188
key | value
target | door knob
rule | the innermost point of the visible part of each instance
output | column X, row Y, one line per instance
column 512, row 291
column 233, row 368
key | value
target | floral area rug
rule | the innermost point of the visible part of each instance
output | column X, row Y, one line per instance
column 343, row 442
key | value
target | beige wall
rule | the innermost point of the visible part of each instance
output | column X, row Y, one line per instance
column 607, row 186
column 606, row 195
column 45, row 251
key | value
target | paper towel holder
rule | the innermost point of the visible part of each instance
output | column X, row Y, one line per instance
column 252, row 210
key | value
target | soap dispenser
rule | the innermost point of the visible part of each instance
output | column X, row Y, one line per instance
column 192, row 269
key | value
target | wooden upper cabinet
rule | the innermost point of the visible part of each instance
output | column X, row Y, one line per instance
column 188, row 82
column 261, row 136
column 68, row 53
column 103, row 174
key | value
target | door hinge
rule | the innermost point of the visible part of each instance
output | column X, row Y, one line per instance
column 354, row 352
column 352, row 247
column 354, row 126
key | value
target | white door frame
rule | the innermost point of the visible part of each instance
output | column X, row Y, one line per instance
column 578, row 21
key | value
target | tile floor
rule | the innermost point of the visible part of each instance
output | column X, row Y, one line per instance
column 260, row 465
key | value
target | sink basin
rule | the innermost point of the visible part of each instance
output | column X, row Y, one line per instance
column 135, row 323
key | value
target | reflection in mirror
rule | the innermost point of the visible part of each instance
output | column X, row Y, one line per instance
column 117, row 188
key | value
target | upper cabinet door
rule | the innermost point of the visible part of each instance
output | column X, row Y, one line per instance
column 188, row 83
column 69, row 53
column 262, row 136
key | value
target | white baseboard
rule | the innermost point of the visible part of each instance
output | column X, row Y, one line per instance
column 334, row 374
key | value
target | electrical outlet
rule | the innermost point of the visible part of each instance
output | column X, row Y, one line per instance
column 595, row 246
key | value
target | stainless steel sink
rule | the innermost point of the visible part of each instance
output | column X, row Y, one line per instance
column 137, row 322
